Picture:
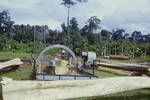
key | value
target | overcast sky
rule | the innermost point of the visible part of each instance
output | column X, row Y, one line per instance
column 128, row 14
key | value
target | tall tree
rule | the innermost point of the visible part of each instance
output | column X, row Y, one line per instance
column 137, row 36
column 69, row 4
column 5, row 29
column 105, row 34
column 76, row 39
column 5, row 22
column 118, row 34
column 146, row 38
column 93, row 23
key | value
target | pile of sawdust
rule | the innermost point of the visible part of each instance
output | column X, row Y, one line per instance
column 62, row 69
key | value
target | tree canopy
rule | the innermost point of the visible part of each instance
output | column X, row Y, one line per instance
column 30, row 39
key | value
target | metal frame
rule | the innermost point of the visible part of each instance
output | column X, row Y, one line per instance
column 47, row 77
column 44, row 77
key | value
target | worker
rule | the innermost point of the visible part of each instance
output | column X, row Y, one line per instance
column 63, row 55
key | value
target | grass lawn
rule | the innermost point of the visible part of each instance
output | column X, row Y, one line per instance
column 21, row 74
column 103, row 74
column 142, row 94
column 25, row 73
column 10, row 55
column 141, row 59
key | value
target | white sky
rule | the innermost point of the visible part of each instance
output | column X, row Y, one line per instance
column 128, row 14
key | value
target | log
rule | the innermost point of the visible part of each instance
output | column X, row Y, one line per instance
column 10, row 66
column 128, row 67
column 119, row 57
column 11, row 63
column 58, row 90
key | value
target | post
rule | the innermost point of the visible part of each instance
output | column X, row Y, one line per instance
column 34, row 28
column 68, row 28
column 115, row 50
column 44, row 40
column 122, row 51
column 145, row 53
column 34, row 70
column 93, row 65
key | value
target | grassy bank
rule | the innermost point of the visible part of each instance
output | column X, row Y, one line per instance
column 142, row 94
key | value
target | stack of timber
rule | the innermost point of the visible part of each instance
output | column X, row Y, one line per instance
column 58, row 90
column 125, row 66
column 116, row 71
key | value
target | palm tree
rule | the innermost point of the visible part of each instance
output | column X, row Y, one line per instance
column 69, row 4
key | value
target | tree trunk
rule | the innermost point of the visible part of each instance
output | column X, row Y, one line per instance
column 115, row 50
column 145, row 53
column 58, row 90
column 122, row 51
column 133, row 53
